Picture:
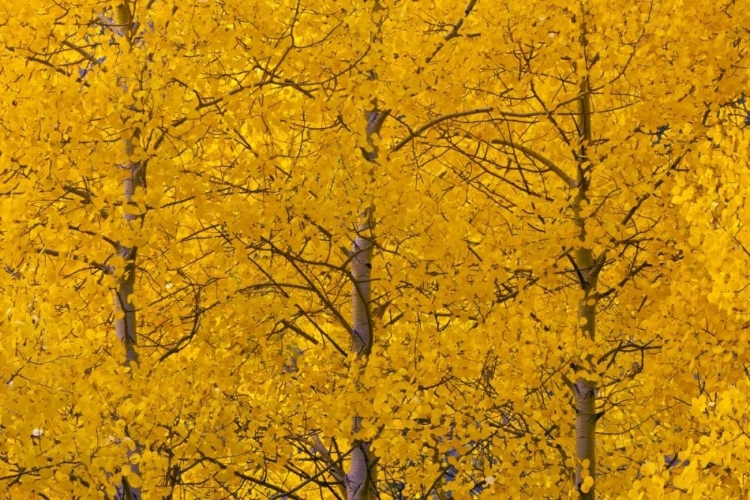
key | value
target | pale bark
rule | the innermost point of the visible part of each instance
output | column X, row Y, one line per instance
column 584, row 389
column 360, row 480
column 361, row 268
column 588, row 269
column 125, row 326
column 125, row 323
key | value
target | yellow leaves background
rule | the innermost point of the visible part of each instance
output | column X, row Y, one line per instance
column 251, row 120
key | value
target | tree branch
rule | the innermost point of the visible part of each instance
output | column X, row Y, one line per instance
column 545, row 161
column 437, row 121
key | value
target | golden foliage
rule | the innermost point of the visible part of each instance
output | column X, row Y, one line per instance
column 561, row 197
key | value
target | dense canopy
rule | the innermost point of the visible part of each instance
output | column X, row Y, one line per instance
column 379, row 249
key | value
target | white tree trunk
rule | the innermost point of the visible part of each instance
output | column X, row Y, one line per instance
column 125, row 322
column 361, row 268
column 360, row 480
column 125, row 326
column 588, row 272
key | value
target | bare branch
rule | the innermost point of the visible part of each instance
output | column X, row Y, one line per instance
column 437, row 121
column 544, row 160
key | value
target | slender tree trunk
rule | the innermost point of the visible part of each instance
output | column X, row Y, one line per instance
column 125, row 321
column 361, row 268
column 125, row 324
column 588, row 272
column 584, row 389
column 360, row 480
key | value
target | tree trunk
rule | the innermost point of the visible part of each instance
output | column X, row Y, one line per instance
column 125, row 324
column 360, row 480
column 125, row 320
column 588, row 269
column 585, row 390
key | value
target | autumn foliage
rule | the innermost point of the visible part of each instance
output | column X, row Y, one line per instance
column 298, row 249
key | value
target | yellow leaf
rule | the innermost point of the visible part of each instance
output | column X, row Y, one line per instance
column 648, row 468
column 135, row 480
column 587, row 484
